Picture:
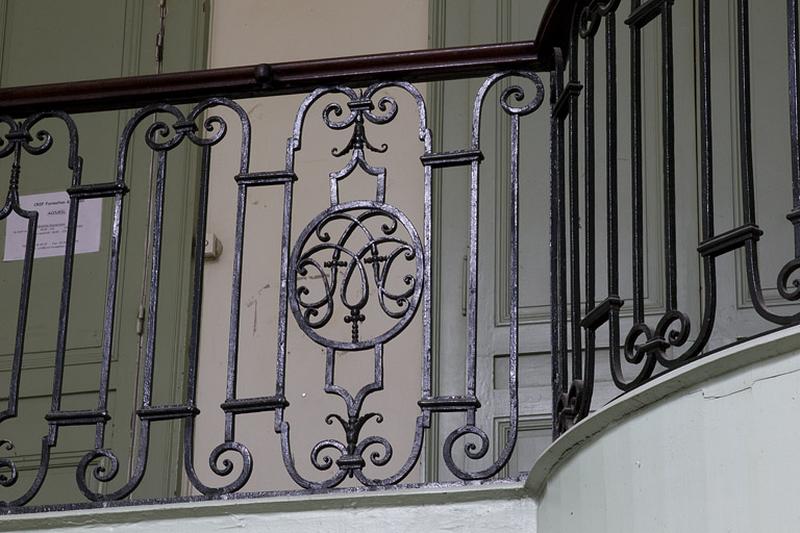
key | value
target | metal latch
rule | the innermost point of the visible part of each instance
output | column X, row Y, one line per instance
column 212, row 248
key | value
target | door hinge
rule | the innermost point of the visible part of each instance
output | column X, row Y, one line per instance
column 464, row 285
column 140, row 321
column 162, row 5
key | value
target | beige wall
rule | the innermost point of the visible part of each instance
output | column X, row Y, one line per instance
column 255, row 31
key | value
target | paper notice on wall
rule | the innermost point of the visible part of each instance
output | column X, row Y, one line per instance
column 51, row 231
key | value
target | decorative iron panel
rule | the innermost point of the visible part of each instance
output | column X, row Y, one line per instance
column 359, row 262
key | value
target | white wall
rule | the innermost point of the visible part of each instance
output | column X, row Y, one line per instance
column 499, row 508
column 256, row 31
column 711, row 447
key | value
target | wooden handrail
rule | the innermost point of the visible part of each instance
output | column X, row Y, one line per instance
column 554, row 27
column 266, row 80
column 298, row 76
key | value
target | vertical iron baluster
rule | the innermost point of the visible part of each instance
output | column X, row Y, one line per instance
column 793, row 292
column 794, row 114
column 12, row 205
column 111, row 298
column 427, row 303
column 286, row 237
column 668, row 127
column 472, row 276
column 636, row 167
column 217, row 127
column 558, row 297
column 155, row 278
column 236, row 300
column 706, row 179
column 109, row 314
column 788, row 290
column 513, row 277
column 745, row 130
column 473, row 451
column 151, row 329
column 197, row 301
column 139, row 463
column 473, row 156
column 76, row 165
column 561, row 271
column 612, row 194
column 587, row 380
column 674, row 326
column 157, row 138
column 63, row 313
column 647, row 353
column 567, row 107
column 279, row 425
column 574, row 213
column 427, row 290
column 515, row 112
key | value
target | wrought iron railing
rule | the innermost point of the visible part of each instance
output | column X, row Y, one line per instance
column 369, row 257
column 655, row 344
column 356, row 260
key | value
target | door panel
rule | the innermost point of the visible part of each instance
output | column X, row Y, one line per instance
column 464, row 23
column 453, row 24
column 736, row 318
column 50, row 41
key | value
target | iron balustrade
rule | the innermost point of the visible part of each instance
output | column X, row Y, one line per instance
column 360, row 277
column 647, row 349
column 350, row 257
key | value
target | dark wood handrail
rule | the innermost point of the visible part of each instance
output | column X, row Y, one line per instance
column 265, row 80
column 298, row 76
column 554, row 27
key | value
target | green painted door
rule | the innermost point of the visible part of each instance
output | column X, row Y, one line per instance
column 44, row 41
column 458, row 23
column 455, row 23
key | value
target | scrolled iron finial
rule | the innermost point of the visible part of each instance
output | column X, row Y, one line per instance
column 591, row 15
column 8, row 480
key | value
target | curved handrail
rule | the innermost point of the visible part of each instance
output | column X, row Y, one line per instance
column 554, row 28
column 295, row 77
column 291, row 77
